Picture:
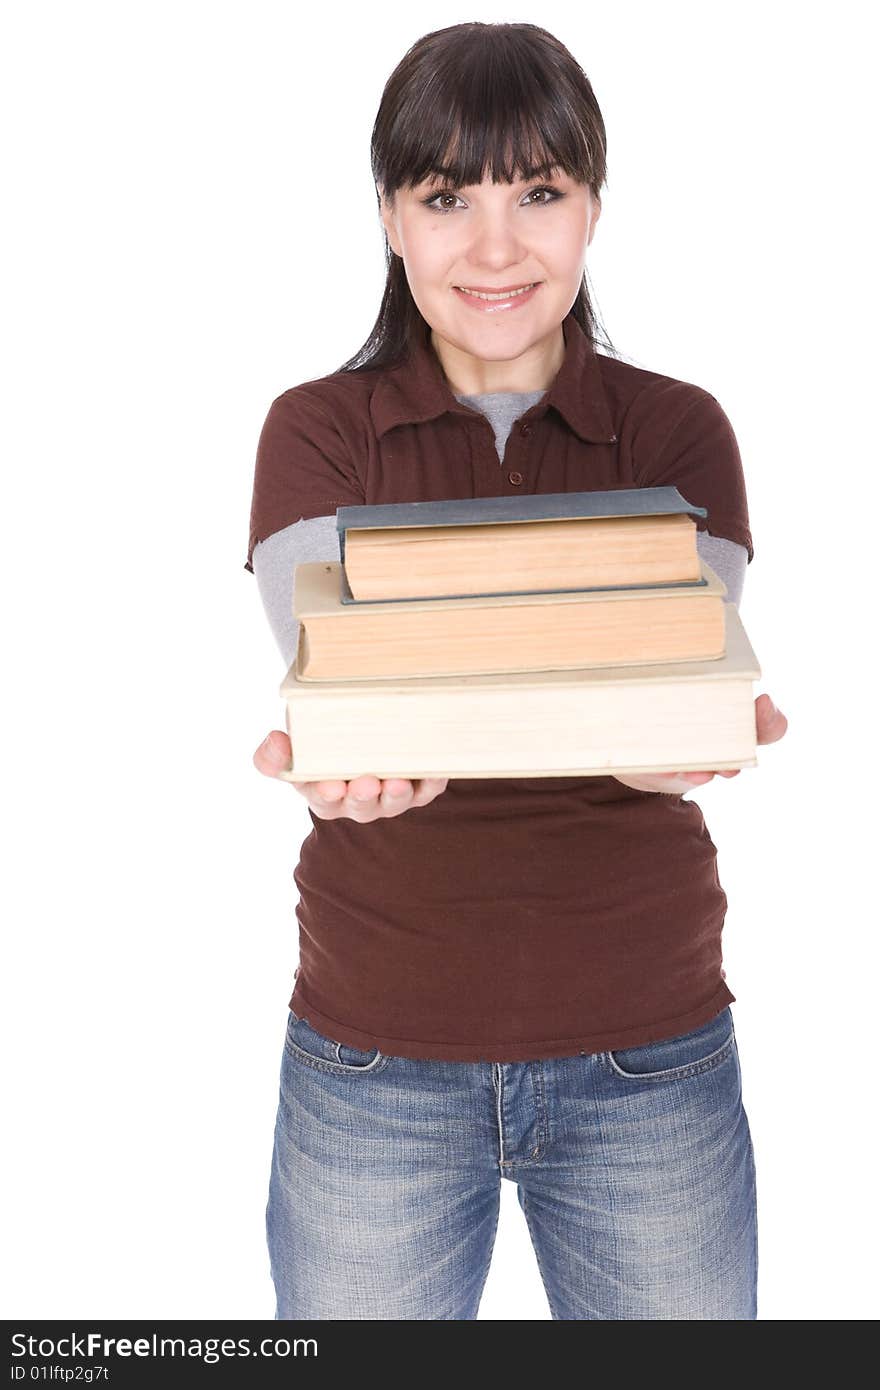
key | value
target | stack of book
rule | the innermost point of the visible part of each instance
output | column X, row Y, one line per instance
column 563, row 634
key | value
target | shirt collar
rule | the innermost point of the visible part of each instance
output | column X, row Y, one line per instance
column 416, row 390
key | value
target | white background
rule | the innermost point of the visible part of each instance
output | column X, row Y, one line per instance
column 193, row 229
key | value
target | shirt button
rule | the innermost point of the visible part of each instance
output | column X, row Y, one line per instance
column 515, row 478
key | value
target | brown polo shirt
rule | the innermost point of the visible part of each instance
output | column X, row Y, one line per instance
column 510, row 919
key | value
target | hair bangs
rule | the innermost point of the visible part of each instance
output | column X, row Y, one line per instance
column 499, row 122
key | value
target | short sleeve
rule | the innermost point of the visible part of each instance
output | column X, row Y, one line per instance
column 303, row 467
column 684, row 439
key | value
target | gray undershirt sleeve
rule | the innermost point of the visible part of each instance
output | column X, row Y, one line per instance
column 275, row 559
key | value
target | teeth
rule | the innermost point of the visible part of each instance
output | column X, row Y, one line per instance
column 511, row 294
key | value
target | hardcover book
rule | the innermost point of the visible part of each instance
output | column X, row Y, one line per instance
column 501, row 632
column 628, row 537
column 601, row 720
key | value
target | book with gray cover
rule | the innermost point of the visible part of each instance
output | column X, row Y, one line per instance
column 483, row 511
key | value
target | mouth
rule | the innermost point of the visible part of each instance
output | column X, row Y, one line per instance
column 487, row 293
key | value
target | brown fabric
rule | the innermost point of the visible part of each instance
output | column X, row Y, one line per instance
column 510, row 919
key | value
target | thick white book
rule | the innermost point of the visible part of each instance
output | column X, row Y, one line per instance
column 677, row 716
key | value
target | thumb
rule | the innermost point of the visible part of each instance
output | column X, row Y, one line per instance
column 771, row 722
column 273, row 753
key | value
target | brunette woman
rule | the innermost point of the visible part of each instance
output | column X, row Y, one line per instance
column 501, row 977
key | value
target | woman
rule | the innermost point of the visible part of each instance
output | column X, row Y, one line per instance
column 498, row 977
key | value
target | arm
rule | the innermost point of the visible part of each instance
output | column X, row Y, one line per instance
column 275, row 560
column 303, row 472
column 681, row 436
column 728, row 559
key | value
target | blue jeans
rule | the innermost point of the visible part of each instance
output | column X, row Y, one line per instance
column 634, row 1169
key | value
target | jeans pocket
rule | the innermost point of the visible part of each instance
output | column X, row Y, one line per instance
column 305, row 1044
column 688, row 1054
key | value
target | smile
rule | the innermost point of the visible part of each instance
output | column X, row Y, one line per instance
column 501, row 294
column 498, row 301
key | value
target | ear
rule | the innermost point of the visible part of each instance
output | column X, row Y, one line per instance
column 594, row 216
column 387, row 218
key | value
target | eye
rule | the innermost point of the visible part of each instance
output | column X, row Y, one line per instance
column 553, row 195
column 429, row 202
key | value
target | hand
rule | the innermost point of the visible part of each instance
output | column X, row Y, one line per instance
column 362, row 799
column 770, row 724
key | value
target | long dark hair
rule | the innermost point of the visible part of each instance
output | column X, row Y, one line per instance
column 507, row 98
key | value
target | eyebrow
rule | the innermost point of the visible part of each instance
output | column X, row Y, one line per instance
column 556, row 172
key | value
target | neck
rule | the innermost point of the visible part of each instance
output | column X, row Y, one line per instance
column 533, row 370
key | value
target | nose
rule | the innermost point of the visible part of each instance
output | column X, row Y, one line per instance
column 496, row 242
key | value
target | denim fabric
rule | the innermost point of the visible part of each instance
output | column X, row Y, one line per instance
column 634, row 1169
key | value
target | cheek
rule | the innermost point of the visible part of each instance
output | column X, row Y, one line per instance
column 428, row 253
column 569, row 238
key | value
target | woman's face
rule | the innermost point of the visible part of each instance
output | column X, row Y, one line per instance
column 493, row 237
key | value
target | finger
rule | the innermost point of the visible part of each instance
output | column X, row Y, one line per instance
column 365, row 788
column 716, row 772
column 273, row 754
column 397, row 786
column 397, row 793
column 427, row 788
column 327, row 793
column 361, row 802
column 361, row 809
column 771, row 723
column 673, row 777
